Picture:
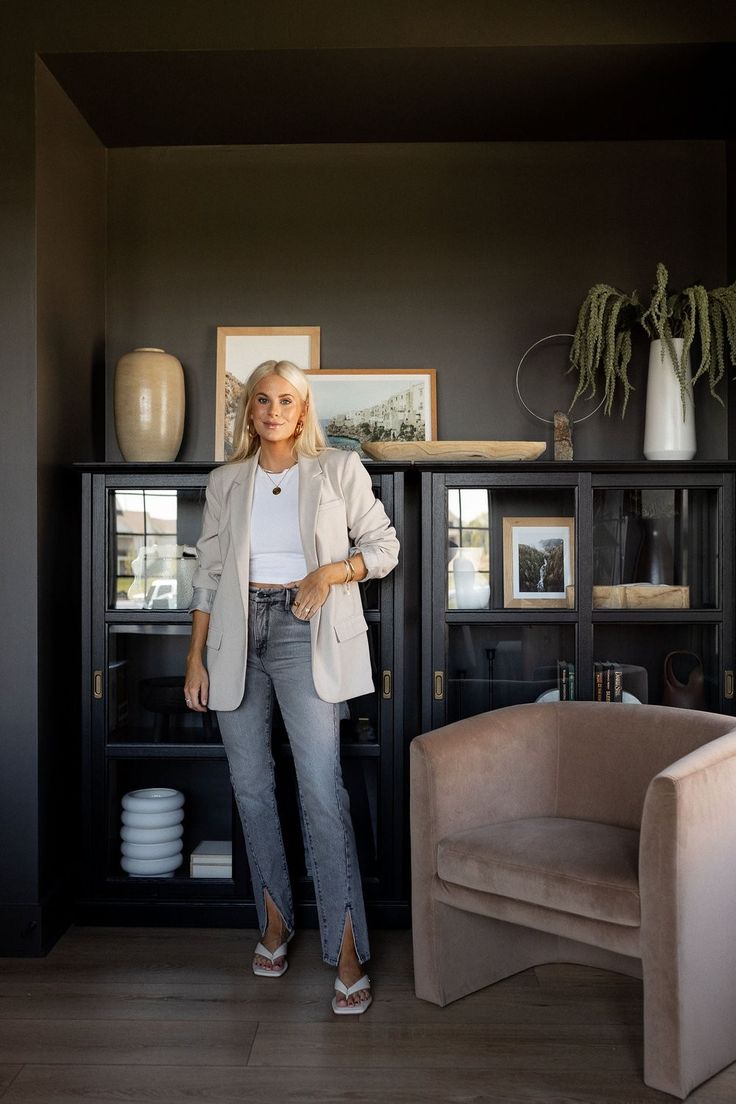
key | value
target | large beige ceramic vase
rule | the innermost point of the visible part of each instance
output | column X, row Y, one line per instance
column 149, row 405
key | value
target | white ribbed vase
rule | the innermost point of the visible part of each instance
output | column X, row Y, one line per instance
column 667, row 435
column 149, row 405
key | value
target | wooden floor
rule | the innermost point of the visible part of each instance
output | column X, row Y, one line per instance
column 174, row 1016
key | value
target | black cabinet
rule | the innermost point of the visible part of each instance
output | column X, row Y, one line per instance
column 509, row 575
column 140, row 526
column 577, row 581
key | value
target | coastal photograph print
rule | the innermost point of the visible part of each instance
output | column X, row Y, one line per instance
column 240, row 349
column 357, row 405
column 538, row 561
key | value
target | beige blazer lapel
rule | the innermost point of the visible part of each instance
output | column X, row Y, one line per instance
column 311, row 478
column 241, row 504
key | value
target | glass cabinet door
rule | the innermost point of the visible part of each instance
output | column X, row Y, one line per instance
column 145, row 687
column 502, row 593
column 673, row 664
column 492, row 666
column 656, row 547
column 153, row 532
column 143, row 532
column 509, row 548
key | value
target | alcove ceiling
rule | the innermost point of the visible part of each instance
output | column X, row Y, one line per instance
column 572, row 93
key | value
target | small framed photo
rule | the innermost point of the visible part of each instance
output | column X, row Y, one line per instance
column 538, row 561
column 356, row 405
column 240, row 349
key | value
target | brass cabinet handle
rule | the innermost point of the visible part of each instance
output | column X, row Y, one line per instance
column 439, row 686
column 97, row 685
column 728, row 684
column 387, row 690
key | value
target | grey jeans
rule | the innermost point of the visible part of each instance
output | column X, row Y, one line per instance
column 280, row 662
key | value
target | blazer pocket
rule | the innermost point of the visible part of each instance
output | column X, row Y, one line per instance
column 331, row 504
column 350, row 627
column 214, row 638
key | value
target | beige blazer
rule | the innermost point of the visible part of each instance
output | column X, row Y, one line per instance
column 337, row 508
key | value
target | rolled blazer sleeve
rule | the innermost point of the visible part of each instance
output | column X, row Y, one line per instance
column 209, row 555
column 370, row 530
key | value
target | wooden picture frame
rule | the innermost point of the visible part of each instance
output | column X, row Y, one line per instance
column 240, row 349
column 538, row 561
column 375, row 404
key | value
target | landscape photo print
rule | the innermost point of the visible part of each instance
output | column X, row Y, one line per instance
column 538, row 561
column 356, row 405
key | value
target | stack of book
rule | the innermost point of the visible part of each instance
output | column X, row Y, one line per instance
column 212, row 859
column 566, row 680
column 608, row 679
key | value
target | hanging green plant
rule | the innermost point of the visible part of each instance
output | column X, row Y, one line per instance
column 602, row 342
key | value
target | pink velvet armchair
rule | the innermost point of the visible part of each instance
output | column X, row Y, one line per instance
column 591, row 833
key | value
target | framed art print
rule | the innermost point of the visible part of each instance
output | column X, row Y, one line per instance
column 355, row 405
column 538, row 561
column 240, row 349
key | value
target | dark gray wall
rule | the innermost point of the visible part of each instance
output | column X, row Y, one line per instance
column 19, row 557
column 450, row 256
column 70, row 300
column 731, row 244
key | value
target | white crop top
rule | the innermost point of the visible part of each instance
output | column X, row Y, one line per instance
column 276, row 553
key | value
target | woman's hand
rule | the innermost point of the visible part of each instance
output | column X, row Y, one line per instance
column 312, row 591
column 196, row 685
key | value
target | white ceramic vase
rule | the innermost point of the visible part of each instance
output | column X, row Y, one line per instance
column 667, row 434
column 149, row 405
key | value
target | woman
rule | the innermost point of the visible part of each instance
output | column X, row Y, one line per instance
column 289, row 529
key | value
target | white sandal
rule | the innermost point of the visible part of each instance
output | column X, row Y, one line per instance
column 352, row 1009
column 280, row 952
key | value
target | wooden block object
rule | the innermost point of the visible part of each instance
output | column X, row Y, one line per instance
column 563, row 436
column 636, row 596
column 654, row 596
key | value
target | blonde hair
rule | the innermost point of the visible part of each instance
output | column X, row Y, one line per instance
column 309, row 442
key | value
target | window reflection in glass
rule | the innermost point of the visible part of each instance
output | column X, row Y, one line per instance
column 468, row 548
column 154, row 534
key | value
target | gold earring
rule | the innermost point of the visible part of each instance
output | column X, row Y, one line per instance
column 299, row 429
column 251, row 430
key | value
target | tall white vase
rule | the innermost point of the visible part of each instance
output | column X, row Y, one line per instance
column 149, row 405
column 667, row 434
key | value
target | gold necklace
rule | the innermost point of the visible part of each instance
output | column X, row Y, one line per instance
column 276, row 486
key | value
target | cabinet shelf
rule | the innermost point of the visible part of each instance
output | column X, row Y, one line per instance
column 658, row 616
column 164, row 751
column 510, row 617
column 347, row 750
column 180, row 621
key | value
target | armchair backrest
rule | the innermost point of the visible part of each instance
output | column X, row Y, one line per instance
column 608, row 754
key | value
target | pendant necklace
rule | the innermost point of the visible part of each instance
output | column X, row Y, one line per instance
column 277, row 486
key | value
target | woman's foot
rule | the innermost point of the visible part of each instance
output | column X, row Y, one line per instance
column 272, row 940
column 275, row 936
column 349, row 973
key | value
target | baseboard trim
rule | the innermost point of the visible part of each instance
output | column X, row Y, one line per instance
column 223, row 914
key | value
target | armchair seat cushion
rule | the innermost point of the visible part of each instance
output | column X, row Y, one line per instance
column 576, row 866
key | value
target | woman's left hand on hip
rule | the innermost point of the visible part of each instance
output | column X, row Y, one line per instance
column 311, row 594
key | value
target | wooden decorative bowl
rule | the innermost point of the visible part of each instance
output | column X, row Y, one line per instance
column 453, row 450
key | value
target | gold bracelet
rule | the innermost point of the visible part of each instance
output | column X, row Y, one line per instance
column 348, row 575
column 351, row 565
